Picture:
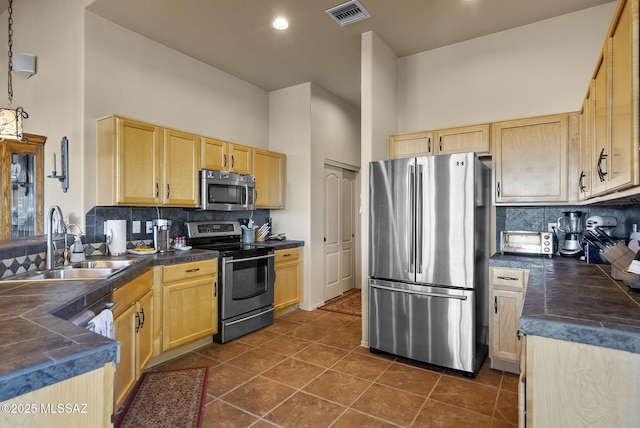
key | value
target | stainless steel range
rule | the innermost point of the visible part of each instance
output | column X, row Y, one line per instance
column 245, row 277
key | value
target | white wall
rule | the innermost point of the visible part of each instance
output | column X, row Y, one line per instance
column 88, row 68
column 53, row 96
column 379, row 119
column 290, row 133
column 310, row 125
column 533, row 70
column 335, row 136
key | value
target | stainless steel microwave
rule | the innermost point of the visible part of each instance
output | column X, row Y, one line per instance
column 227, row 191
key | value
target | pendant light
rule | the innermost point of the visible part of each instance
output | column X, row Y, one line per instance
column 10, row 118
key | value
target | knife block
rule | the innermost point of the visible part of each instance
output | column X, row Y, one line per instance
column 620, row 257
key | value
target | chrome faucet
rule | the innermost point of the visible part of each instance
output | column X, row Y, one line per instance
column 50, row 258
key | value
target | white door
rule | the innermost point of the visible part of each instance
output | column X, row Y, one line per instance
column 339, row 227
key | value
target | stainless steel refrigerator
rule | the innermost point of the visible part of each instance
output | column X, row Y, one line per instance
column 428, row 259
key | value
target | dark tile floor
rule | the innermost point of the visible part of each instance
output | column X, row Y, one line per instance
column 309, row 370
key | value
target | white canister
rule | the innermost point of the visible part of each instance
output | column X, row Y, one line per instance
column 116, row 233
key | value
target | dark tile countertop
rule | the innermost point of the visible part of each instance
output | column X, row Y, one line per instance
column 570, row 300
column 39, row 347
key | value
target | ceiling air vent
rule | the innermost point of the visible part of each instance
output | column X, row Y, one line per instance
column 348, row 13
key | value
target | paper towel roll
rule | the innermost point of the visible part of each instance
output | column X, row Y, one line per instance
column 116, row 232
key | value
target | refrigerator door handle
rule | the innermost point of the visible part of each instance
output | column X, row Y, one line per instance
column 412, row 223
column 420, row 218
column 420, row 293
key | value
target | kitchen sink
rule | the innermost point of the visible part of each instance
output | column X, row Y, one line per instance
column 64, row 274
column 101, row 264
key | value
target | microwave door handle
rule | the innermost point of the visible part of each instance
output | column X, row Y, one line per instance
column 246, row 195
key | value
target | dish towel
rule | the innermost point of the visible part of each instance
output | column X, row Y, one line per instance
column 103, row 324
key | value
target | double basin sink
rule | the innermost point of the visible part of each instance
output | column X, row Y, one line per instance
column 90, row 269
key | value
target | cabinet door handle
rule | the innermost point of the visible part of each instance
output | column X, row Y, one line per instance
column 507, row 278
column 157, row 189
column 141, row 317
column 168, row 190
column 286, row 255
column 581, row 186
column 429, row 145
column 192, row 270
column 137, row 322
column 601, row 173
column 224, row 161
column 233, row 161
column 440, row 142
column 498, row 189
column 495, row 304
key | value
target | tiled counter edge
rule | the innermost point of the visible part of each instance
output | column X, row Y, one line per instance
column 75, row 351
column 544, row 313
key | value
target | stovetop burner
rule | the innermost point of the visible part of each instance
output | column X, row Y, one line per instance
column 222, row 236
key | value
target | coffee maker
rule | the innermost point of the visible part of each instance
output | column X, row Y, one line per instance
column 161, row 236
column 571, row 225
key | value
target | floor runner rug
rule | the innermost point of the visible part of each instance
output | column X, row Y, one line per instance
column 173, row 398
column 349, row 303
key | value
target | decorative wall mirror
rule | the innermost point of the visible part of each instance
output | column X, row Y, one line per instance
column 22, row 179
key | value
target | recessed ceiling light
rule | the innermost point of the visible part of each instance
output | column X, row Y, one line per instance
column 280, row 24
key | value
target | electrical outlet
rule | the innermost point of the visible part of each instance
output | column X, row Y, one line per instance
column 135, row 226
column 149, row 226
column 551, row 227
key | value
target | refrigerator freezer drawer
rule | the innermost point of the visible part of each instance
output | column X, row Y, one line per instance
column 429, row 324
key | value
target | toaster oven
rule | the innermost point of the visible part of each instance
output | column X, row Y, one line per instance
column 527, row 242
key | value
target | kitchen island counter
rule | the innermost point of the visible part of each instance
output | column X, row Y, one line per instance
column 40, row 347
column 567, row 299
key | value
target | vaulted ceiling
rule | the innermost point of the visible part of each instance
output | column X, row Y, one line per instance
column 236, row 36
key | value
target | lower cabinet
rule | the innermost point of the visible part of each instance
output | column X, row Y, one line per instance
column 570, row 384
column 90, row 395
column 288, row 283
column 189, row 302
column 133, row 321
column 507, row 295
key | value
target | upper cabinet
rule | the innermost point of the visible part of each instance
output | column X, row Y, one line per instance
column 444, row 141
column 530, row 160
column 221, row 155
column 181, row 159
column 269, row 168
column 411, row 144
column 463, row 139
column 145, row 165
column 22, row 175
column 613, row 97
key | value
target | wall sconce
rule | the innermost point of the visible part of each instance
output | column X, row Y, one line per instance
column 64, row 164
column 24, row 65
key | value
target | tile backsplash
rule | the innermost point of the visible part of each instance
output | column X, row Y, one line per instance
column 537, row 218
column 24, row 255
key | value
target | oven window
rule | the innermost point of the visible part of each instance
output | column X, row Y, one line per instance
column 225, row 194
column 250, row 279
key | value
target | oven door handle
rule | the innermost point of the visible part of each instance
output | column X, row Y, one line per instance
column 245, row 259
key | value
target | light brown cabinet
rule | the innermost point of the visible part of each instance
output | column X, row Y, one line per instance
column 146, row 165
column 21, row 212
column 507, row 296
column 225, row 156
column 288, row 282
column 133, row 325
column 515, row 143
column 474, row 138
column 615, row 162
column 269, row 169
column 572, row 384
column 189, row 302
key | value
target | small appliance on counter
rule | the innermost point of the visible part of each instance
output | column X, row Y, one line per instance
column 116, row 233
column 527, row 242
column 161, row 235
column 571, row 225
column 606, row 223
